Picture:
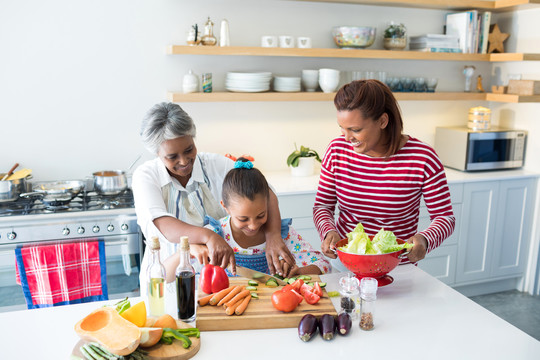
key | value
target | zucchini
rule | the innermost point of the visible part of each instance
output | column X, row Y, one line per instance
column 251, row 288
column 271, row 282
column 253, row 283
column 254, row 295
column 322, row 285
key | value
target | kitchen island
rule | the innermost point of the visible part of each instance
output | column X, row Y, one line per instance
column 416, row 317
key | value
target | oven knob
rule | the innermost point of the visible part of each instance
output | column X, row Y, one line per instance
column 110, row 227
column 80, row 230
column 124, row 227
column 65, row 231
column 12, row 235
column 95, row 229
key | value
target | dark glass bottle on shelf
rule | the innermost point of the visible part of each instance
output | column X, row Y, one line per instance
column 185, row 284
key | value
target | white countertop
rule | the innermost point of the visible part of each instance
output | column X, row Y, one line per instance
column 285, row 184
column 416, row 317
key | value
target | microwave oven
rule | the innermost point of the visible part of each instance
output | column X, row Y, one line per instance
column 465, row 149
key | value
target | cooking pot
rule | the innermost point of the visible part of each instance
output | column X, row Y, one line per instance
column 56, row 191
column 110, row 182
column 10, row 189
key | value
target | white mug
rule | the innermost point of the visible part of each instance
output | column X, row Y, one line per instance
column 269, row 41
column 286, row 41
column 303, row 42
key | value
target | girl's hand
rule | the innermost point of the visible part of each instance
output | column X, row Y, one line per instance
column 289, row 271
column 200, row 252
column 219, row 251
column 328, row 245
column 419, row 250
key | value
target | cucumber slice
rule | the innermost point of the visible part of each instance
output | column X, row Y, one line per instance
column 254, row 295
column 304, row 277
column 286, row 280
column 253, row 283
column 322, row 284
column 278, row 276
column 251, row 288
column 291, row 280
column 271, row 282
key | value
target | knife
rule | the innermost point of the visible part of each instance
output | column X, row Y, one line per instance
column 256, row 275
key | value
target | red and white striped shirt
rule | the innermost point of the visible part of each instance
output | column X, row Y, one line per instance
column 383, row 192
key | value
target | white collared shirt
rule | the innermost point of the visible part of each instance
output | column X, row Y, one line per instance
column 150, row 177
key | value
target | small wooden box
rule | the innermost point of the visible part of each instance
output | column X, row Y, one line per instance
column 524, row 87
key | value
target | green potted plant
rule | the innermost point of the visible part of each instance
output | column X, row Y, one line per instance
column 302, row 162
column 395, row 37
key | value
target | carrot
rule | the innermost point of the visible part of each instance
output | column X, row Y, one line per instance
column 219, row 295
column 204, row 300
column 230, row 310
column 242, row 294
column 230, row 295
column 242, row 307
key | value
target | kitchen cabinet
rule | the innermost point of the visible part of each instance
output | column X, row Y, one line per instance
column 336, row 53
column 495, row 230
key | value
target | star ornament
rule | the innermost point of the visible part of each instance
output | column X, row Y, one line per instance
column 496, row 39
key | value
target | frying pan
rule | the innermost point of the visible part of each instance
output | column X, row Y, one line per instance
column 56, row 190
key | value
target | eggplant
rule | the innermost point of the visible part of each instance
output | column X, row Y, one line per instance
column 307, row 327
column 327, row 326
column 344, row 323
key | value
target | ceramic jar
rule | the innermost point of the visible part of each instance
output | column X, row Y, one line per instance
column 190, row 83
column 395, row 37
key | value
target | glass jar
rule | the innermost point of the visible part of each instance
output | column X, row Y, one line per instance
column 350, row 299
column 156, row 280
column 208, row 38
column 395, row 36
column 368, row 294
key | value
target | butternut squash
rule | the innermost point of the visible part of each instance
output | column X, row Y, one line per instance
column 106, row 327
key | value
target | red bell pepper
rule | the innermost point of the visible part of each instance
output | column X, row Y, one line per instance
column 213, row 279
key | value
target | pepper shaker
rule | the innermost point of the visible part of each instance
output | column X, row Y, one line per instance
column 350, row 301
column 368, row 294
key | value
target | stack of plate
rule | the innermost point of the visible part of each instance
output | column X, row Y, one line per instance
column 286, row 84
column 248, row 82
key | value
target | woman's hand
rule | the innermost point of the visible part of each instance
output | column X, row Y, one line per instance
column 328, row 245
column 419, row 249
column 200, row 252
column 219, row 251
column 276, row 248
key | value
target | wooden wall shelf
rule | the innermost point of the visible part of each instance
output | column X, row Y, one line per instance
column 178, row 97
column 345, row 53
column 497, row 5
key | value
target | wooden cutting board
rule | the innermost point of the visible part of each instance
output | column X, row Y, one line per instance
column 260, row 313
column 175, row 351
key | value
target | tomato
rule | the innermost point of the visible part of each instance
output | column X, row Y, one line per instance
column 311, row 298
column 285, row 301
column 317, row 289
column 297, row 285
column 305, row 288
column 287, row 288
column 213, row 279
column 300, row 297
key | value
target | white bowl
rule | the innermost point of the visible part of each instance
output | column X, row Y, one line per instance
column 328, row 85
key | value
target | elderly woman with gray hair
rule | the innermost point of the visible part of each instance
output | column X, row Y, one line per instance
column 176, row 190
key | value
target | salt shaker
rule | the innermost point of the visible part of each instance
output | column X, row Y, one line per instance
column 368, row 294
column 350, row 300
column 224, row 34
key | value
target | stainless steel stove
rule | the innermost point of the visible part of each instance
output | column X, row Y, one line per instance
column 32, row 221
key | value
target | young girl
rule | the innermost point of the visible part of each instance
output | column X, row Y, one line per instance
column 245, row 198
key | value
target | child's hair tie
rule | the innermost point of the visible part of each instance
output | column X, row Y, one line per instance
column 243, row 165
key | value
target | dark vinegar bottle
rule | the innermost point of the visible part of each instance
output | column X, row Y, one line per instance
column 185, row 284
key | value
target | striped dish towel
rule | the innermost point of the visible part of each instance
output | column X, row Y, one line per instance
column 62, row 273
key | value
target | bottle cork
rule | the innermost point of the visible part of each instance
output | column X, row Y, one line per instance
column 154, row 243
column 184, row 243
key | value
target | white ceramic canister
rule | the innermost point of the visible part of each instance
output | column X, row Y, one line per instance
column 224, row 39
column 190, row 83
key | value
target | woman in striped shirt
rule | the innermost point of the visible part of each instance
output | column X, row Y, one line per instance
column 376, row 175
